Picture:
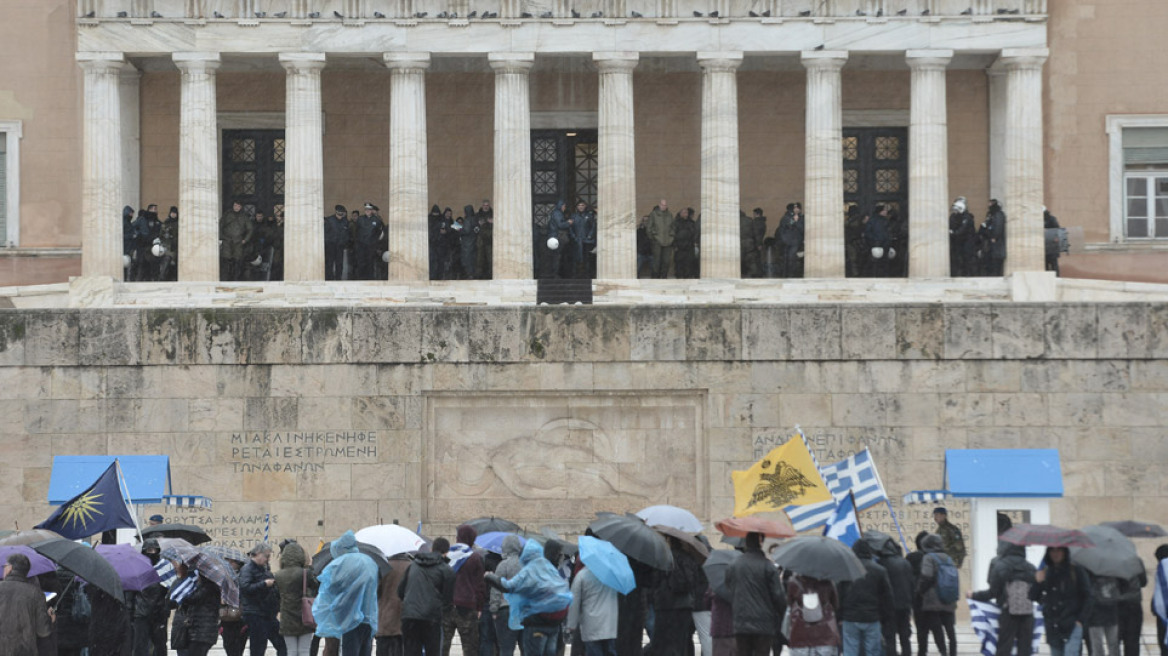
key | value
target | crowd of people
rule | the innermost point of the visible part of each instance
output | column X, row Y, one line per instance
column 564, row 243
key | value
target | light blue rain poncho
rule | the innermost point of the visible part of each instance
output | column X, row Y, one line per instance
column 537, row 588
column 348, row 590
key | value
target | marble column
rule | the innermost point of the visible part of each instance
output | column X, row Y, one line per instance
column 928, row 166
column 512, row 194
column 616, row 185
column 409, row 240
column 824, row 170
column 721, row 250
column 303, row 167
column 101, row 165
column 198, row 168
column 131, row 96
column 1024, row 163
column 996, row 82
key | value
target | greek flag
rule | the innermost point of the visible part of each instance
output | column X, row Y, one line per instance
column 857, row 475
column 165, row 572
column 843, row 525
column 183, row 589
column 983, row 619
column 458, row 554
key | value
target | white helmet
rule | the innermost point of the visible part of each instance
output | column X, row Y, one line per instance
column 158, row 250
column 258, row 261
column 125, row 261
column 891, row 253
column 553, row 243
column 877, row 252
column 959, row 205
column 385, row 256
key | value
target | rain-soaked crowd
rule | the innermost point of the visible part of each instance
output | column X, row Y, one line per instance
column 564, row 243
column 499, row 590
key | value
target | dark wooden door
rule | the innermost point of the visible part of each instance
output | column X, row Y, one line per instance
column 563, row 167
column 253, row 169
column 876, row 168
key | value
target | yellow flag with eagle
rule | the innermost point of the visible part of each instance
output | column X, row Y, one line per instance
column 784, row 477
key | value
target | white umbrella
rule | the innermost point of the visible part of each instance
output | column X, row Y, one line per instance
column 671, row 516
column 391, row 539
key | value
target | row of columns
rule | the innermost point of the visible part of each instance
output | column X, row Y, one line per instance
column 103, row 184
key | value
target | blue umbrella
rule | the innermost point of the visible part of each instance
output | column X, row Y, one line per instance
column 608, row 565
column 493, row 541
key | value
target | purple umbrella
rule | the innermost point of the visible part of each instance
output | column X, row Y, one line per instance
column 39, row 564
column 135, row 570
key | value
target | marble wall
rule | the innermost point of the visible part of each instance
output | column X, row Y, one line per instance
column 332, row 418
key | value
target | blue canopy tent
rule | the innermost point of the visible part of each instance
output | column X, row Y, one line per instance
column 997, row 480
column 147, row 479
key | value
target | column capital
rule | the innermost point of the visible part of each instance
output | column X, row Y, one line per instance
column 101, row 62
column 824, row 59
column 295, row 62
column 616, row 62
column 928, row 59
column 130, row 71
column 196, row 62
column 719, row 61
column 511, row 62
column 407, row 61
column 1023, row 58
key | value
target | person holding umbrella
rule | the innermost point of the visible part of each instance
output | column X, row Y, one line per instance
column 196, row 621
column 260, row 601
column 814, row 630
column 594, row 608
column 1064, row 590
column 673, row 602
column 756, row 593
column 26, row 616
column 538, row 596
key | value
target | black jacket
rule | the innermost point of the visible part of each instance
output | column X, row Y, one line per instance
column 868, row 599
column 675, row 588
column 426, row 589
column 255, row 597
column 1065, row 595
column 757, row 595
column 900, row 577
column 336, row 231
column 200, row 610
column 790, row 231
column 1010, row 565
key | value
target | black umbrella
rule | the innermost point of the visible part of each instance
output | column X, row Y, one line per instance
column 86, row 563
column 715, row 568
column 488, row 524
column 1114, row 554
column 192, row 534
column 635, row 539
column 1134, row 529
column 325, row 556
column 821, row 558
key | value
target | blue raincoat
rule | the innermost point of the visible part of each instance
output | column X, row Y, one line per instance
column 537, row 588
column 348, row 590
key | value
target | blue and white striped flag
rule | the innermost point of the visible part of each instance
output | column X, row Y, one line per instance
column 843, row 525
column 857, row 475
column 165, row 572
column 983, row 619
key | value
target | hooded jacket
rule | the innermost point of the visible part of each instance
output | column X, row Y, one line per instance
column 935, row 555
column 756, row 593
column 868, row 599
column 348, row 590
column 538, row 588
column 294, row 586
column 1065, row 595
column 506, row 569
column 900, row 576
column 389, row 605
column 824, row 633
column 201, row 610
column 470, row 591
column 426, row 588
column 675, row 588
column 1010, row 565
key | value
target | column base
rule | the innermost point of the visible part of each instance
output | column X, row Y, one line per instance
column 91, row 291
column 1034, row 286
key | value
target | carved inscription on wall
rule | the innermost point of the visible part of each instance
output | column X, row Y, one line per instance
column 548, row 456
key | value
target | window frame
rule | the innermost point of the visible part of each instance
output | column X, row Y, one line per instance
column 1116, row 123
column 1150, row 196
column 15, row 131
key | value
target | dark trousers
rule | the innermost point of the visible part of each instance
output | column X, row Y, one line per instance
column 941, row 624
column 487, row 639
column 753, row 644
column 922, row 634
column 1015, row 629
column 466, row 622
column 148, row 640
column 234, row 638
column 365, row 254
column 1131, row 622
column 504, row 636
column 420, row 636
column 390, row 646
column 1160, row 630
column 198, row 649
column 898, row 627
column 673, row 632
column 334, row 261
column 263, row 630
column 358, row 641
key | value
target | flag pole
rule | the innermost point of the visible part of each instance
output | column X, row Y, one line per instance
column 887, row 500
column 129, row 501
column 856, row 512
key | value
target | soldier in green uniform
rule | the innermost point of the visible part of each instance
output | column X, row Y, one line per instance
column 951, row 539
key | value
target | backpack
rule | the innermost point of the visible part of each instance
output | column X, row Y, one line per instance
column 1018, row 598
column 948, row 585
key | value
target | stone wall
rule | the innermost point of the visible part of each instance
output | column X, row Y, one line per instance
column 335, row 418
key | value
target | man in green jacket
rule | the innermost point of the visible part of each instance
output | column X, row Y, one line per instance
column 235, row 233
column 661, row 237
column 954, row 543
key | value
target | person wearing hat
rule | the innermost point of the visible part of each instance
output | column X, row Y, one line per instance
column 336, row 238
column 155, row 520
column 235, row 233
column 993, row 236
column 951, row 539
column 367, row 233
